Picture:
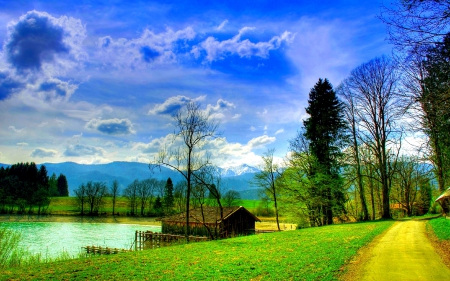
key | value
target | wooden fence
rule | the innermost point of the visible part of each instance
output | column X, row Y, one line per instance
column 150, row 240
column 103, row 250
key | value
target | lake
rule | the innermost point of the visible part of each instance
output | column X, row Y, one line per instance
column 52, row 238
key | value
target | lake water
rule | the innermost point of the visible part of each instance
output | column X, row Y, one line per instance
column 52, row 238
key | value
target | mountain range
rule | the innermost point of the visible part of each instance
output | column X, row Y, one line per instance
column 233, row 178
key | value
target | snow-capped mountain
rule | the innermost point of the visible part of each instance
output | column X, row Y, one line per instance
column 238, row 170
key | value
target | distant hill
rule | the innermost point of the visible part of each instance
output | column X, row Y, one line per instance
column 237, row 178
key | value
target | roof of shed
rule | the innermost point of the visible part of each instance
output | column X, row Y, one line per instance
column 444, row 195
column 211, row 214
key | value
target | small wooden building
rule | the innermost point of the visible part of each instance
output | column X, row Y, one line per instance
column 236, row 221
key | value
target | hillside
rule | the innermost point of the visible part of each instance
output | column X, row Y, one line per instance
column 236, row 178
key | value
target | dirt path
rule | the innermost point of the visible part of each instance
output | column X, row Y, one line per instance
column 403, row 253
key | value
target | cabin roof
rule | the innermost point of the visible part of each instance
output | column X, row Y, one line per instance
column 211, row 214
column 444, row 195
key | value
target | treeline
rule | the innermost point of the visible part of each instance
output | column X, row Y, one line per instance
column 24, row 187
column 149, row 197
column 378, row 145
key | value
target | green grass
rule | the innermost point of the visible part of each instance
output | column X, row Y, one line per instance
column 441, row 227
column 307, row 254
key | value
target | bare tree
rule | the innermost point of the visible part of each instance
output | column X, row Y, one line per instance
column 131, row 193
column 412, row 23
column 114, row 191
column 379, row 108
column 194, row 128
column 231, row 198
column 266, row 179
column 145, row 190
column 95, row 193
column 350, row 114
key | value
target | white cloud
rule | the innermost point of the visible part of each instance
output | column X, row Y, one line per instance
column 172, row 105
column 216, row 50
column 146, row 50
column 83, row 150
column 260, row 141
column 43, row 152
column 222, row 25
column 252, row 128
column 15, row 130
column 112, row 126
column 279, row 131
column 22, row 144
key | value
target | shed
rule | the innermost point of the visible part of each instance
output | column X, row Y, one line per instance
column 236, row 221
column 443, row 200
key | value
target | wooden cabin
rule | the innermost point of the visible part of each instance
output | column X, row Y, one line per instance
column 236, row 221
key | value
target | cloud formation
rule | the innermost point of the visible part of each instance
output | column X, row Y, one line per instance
column 43, row 152
column 150, row 48
column 39, row 38
column 260, row 141
column 172, row 105
column 216, row 49
column 113, row 126
column 78, row 150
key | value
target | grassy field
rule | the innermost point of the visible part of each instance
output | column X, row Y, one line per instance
column 441, row 228
column 68, row 205
column 307, row 254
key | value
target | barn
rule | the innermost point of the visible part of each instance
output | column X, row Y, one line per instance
column 236, row 221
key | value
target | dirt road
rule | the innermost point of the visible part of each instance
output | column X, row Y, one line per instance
column 402, row 253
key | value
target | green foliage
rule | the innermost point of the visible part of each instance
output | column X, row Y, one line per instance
column 441, row 227
column 24, row 186
column 308, row 254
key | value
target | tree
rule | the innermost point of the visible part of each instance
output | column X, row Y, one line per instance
column 53, row 187
column 231, row 198
column 435, row 100
column 412, row 23
column 114, row 190
column 194, row 128
column 80, row 193
column 179, row 196
column 266, row 179
column 131, row 193
column 95, row 193
column 63, row 187
column 350, row 115
column 145, row 190
column 379, row 108
column 158, row 206
column 168, row 196
column 325, row 129
column 411, row 176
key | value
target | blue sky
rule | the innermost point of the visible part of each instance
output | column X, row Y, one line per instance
column 97, row 81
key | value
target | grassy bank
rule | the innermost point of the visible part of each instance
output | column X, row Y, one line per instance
column 307, row 254
column 441, row 228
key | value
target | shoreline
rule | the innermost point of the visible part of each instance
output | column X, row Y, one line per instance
column 80, row 219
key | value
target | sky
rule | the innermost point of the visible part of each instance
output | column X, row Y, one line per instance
column 98, row 81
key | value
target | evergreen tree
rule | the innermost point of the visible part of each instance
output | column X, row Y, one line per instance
column 157, row 207
column 168, row 195
column 325, row 131
column 53, row 186
column 63, row 187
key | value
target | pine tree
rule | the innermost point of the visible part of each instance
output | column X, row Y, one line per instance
column 63, row 187
column 168, row 195
column 325, row 131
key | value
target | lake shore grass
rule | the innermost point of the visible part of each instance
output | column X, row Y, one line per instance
column 306, row 254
